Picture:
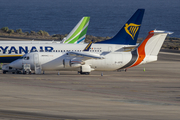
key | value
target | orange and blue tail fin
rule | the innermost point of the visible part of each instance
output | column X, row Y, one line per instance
column 148, row 49
column 129, row 32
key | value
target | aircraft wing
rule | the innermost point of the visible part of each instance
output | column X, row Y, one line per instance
column 84, row 56
column 127, row 48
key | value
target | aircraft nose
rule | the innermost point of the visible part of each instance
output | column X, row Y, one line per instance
column 16, row 64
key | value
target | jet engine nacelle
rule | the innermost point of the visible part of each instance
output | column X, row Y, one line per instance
column 75, row 65
column 66, row 63
column 72, row 63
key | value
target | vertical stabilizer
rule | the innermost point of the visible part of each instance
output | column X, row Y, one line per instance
column 149, row 48
column 78, row 34
column 129, row 32
column 153, row 42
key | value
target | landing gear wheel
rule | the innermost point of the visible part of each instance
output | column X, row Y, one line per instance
column 24, row 72
column 85, row 73
column 18, row 72
column 4, row 72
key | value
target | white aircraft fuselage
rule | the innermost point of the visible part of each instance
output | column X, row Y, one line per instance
column 12, row 51
column 62, row 61
column 103, row 57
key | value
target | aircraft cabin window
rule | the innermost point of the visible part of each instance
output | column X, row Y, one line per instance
column 26, row 58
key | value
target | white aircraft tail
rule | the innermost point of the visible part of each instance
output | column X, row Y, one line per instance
column 148, row 49
column 78, row 34
column 153, row 42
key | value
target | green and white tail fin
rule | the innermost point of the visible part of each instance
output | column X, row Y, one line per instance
column 78, row 34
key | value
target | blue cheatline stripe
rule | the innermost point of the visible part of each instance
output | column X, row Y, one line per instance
column 81, row 40
column 8, row 59
column 132, row 61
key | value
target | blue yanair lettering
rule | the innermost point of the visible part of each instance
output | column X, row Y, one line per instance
column 41, row 49
column 24, row 49
column 13, row 49
column 48, row 48
column 21, row 49
column 33, row 49
column 4, row 49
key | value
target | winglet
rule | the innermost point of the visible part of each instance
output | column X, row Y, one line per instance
column 78, row 34
column 88, row 46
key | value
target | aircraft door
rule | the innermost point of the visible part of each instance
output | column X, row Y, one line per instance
column 36, row 59
column 37, row 66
